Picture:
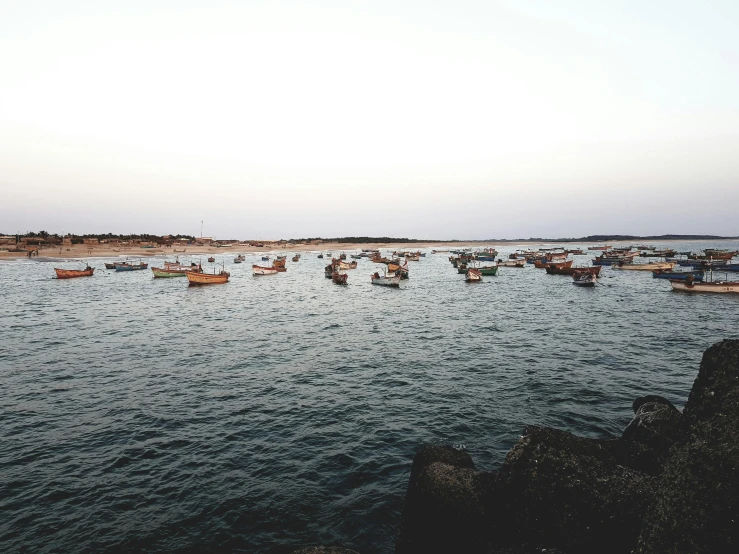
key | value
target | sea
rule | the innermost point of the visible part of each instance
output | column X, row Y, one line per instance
column 278, row 412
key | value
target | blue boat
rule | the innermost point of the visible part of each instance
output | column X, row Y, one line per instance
column 663, row 274
column 728, row 267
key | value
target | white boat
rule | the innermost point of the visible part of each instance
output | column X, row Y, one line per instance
column 260, row 270
column 512, row 263
column 584, row 279
column 716, row 286
column 645, row 267
column 474, row 275
column 392, row 281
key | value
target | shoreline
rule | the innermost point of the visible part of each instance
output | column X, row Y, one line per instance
column 80, row 251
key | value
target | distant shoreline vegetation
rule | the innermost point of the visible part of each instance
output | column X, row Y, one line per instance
column 105, row 237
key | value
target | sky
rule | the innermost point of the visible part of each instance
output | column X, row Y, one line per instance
column 440, row 120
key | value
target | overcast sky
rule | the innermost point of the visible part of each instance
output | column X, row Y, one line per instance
column 458, row 119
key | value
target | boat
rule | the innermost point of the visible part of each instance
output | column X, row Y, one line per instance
column 413, row 257
column 279, row 265
column 512, row 263
column 131, row 267
column 668, row 274
column 386, row 281
column 339, row 278
column 729, row 267
column 296, row 258
column 585, row 279
column 544, row 265
column 264, row 258
column 261, row 270
column 345, row 265
column 474, row 275
column 72, row 273
column 688, row 285
column 238, row 260
column 208, row 278
column 595, row 270
column 604, row 247
column 328, row 271
column 320, row 256
column 172, row 270
column 398, row 269
column 241, row 258
column 644, row 267
column 109, row 266
column 211, row 259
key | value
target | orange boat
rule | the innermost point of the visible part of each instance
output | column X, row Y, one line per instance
column 71, row 273
column 208, row 278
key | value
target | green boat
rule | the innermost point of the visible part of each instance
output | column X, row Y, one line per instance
column 158, row 272
column 485, row 270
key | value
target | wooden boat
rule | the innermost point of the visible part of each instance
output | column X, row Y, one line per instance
column 604, row 247
column 163, row 272
column 347, row 265
column 342, row 256
column 688, row 285
column 241, row 258
column 483, row 269
column 109, row 266
column 131, row 267
column 260, row 270
column 320, row 256
column 714, row 254
column 339, row 278
column 237, row 260
column 413, row 257
column 512, row 263
column 385, row 281
column 208, row 278
column 72, row 273
column 544, row 265
column 357, row 256
column 668, row 274
column 398, row 269
column 328, row 271
column 576, row 252
column 296, row 258
column 279, row 265
column 474, row 275
column 644, row 267
column 586, row 279
column 595, row 270
column 211, row 259
column 264, row 258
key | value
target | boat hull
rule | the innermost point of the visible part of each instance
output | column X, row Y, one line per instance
column 386, row 281
column 259, row 270
column 208, row 278
column 645, row 267
column 73, row 273
column 339, row 278
column 595, row 270
column 723, row 287
column 164, row 274
column 677, row 275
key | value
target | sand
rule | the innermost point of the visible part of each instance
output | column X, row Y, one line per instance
column 106, row 251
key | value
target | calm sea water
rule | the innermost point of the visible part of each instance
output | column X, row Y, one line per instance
column 277, row 412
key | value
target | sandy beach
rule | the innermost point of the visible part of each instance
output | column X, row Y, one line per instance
column 103, row 251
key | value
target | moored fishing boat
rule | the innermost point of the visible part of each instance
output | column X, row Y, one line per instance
column 260, row 270
column 668, row 274
column 211, row 259
column 320, row 256
column 512, row 263
column 238, row 260
column 279, row 264
column 689, row 285
column 347, row 265
column 595, row 270
column 644, row 267
column 208, row 278
column 296, row 258
column 109, row 265
column 328, row 271
column 385, row 281
column 604, row 247
column 339, row 278
column 586, row 279
column 543, row 264
column 474, row 275
column 72, row 273
column 131, row 267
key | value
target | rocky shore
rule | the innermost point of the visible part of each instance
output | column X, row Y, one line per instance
column 669, row 484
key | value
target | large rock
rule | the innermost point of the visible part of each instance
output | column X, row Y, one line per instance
column 324, row 550
column 697, row 502
column 655, row 428
column 559, row 490
column 444, row 509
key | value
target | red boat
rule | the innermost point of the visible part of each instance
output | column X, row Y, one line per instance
column 339, row 278
column 551, row 270
column 71, row 273
column 543, row 265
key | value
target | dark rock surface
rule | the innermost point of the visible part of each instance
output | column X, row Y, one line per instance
column 670, row 484
column 696, row 506
column 444, row 509
column 324, row 550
